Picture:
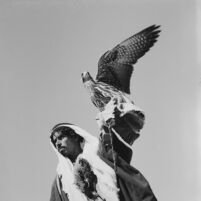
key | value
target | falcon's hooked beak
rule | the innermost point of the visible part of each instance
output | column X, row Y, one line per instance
column 86, row 77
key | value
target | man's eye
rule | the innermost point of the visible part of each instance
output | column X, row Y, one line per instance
column 61, row 137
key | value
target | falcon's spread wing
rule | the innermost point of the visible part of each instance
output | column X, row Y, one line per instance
column 115, row 66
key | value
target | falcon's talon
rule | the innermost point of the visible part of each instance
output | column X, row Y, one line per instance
column 110, row 123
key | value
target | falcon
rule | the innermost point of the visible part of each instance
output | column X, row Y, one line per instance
column 115, row 68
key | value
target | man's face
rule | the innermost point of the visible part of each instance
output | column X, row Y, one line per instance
column 66, row 144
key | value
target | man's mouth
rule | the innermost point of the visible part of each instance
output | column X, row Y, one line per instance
column 62, row 149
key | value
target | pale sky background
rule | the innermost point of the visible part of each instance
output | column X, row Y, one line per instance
column 45, row 45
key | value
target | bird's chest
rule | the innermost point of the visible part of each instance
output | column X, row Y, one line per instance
column 100, row 97
column 102, row 94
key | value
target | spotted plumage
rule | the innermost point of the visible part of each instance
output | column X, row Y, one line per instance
column 115, row 68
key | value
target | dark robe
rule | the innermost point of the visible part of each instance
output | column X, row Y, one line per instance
column 132, row 184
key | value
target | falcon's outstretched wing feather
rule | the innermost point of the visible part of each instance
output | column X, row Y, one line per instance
column 115, row 66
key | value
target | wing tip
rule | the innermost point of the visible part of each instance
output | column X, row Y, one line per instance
column 154, row 26
column 152, row 30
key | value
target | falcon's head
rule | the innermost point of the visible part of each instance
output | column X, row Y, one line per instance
column 86, row 77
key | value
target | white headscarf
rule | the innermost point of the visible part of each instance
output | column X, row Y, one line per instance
column 106, row 185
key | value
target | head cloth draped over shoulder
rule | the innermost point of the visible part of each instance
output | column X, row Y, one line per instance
column 106, row 185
